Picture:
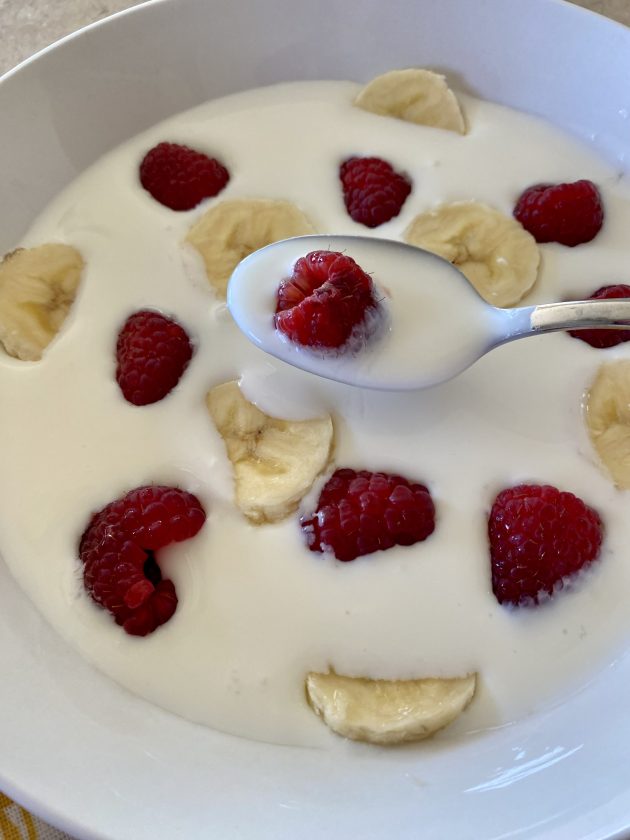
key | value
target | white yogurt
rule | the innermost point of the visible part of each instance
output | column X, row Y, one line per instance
column 256, row 609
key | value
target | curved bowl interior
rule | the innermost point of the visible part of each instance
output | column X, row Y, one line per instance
column 83, row 752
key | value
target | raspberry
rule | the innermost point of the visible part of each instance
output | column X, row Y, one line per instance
column 605, row 338
column 179, row 177
column 539, row 536
column 326, row 297
column 120, row 569
column 570, row 214
column 372, row 189
column 361, row 512
column 152, row 353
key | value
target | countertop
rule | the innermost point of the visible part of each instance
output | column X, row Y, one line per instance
column 28, row 25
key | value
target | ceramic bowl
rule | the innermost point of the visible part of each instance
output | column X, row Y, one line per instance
column 98, row 762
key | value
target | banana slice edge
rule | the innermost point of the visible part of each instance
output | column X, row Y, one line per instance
column 232, row 229
column 495, row 253
column 606, row 409
column 274, row 461
column 38, row 286
column 415, row 95
column 388, row 711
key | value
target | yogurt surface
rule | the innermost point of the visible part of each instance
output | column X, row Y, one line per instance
column 257, row 610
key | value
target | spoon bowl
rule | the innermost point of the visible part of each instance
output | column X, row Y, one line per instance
column 431, row 324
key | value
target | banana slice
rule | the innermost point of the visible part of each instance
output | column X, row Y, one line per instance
column 607, row 410
column 388, row 712
column 37, row 289
column 231, row 230
column 497, row 255
column 417, row 96
column 275, row 461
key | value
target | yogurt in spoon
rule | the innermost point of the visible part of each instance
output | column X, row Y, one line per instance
column 436, row 325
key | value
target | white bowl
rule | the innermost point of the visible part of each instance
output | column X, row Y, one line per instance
column 88, row 756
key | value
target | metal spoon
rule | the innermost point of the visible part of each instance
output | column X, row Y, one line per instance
column 435, row 325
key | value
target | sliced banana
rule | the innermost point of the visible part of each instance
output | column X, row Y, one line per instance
column 37, row 288
column 417, row 96
column 495, row 252
column 231, row 230
column 608, row 419
column 275, row 461
column 388, row 711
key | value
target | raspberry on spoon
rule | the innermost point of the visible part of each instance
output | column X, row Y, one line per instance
column 118, row 551
column 538, row 537
column 327, row 296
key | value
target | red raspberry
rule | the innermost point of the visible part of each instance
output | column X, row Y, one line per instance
column 152, row 353
column 326, row 297
column 605, row 338
column 570, row 214
column 372, row 189
column 361, row 512
column 538, row 536
column 118, row 548
column 179, row 177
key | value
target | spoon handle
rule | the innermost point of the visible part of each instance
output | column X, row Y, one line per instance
column 571, row 315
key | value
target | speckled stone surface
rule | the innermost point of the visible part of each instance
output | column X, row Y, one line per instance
column 617, row 9
column 28, row 25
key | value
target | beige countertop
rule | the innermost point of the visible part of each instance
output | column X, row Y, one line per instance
column 28, row 25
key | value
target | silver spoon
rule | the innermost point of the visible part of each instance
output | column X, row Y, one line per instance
column 435, row 324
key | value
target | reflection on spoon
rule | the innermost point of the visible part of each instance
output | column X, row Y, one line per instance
column 436, row 327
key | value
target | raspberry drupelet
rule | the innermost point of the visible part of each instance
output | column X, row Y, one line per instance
column 373, row 191
column 117, row 549
column 326, row 298
column 539, row 536
column 152, row 353
column 180, row 177
column 571, row 214
column 362, row 512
